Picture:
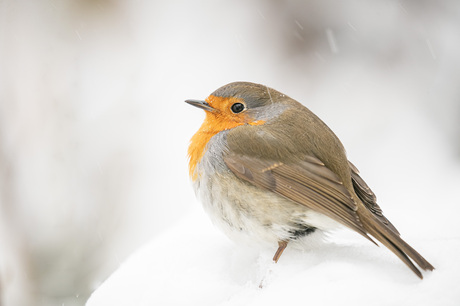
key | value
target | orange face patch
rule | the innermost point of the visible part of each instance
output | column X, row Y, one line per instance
column 216, row 121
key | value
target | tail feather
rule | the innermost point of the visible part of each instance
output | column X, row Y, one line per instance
column 394, row 243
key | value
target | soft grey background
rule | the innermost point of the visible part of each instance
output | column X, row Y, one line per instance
column 94, row 131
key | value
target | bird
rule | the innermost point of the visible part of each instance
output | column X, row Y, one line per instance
column 267, row 169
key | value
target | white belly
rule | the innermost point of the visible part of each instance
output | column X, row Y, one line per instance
column 248, row 213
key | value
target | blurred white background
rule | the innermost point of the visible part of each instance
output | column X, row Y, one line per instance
column 94, row 131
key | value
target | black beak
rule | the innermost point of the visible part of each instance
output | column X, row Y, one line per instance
column 201, row 104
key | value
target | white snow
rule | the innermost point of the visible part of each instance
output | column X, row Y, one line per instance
column 193, row 264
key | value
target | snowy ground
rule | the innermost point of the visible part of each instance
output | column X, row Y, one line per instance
column 193, row 264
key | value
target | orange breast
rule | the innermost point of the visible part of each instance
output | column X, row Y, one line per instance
column 214, row 123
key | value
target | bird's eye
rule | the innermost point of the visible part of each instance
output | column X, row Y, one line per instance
column 237, row 108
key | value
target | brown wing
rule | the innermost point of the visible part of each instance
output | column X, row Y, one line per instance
column 368, row 197
column 308, row 183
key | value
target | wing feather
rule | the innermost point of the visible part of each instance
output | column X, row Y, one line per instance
column 368, row 197
column 309, row 183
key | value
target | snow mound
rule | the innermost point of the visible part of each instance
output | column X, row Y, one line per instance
column 193, row 264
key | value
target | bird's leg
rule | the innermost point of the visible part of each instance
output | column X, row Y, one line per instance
column 281, row 246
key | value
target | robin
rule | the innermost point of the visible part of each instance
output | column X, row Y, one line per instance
column 266, row 168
